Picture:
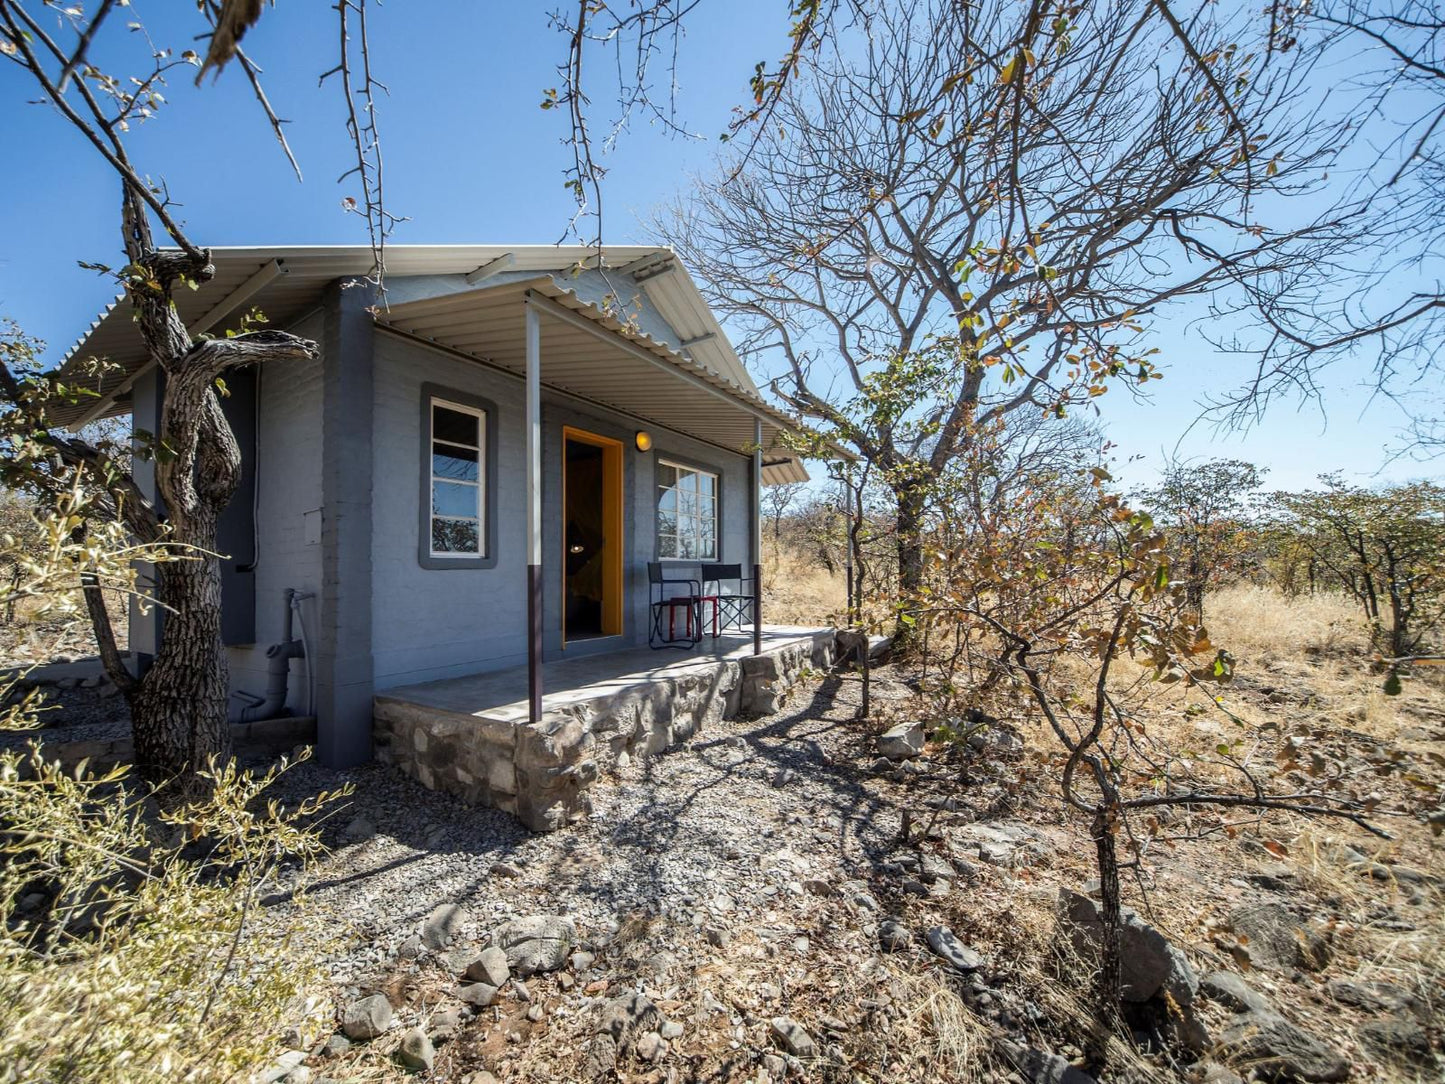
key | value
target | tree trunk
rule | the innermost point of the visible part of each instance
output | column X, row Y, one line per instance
column 908, row 534
column 178, row 707
column 1194, row 592
column 1109, row 985
column 178, row 714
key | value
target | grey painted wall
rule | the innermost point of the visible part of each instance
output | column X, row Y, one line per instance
column 289, row 473
column 338, row 518
column 435, row 623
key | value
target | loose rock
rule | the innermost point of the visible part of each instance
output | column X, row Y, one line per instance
column 416, row 1049
column 649, row 1046
column 893, row 936
column 367, row 1018
column 442, row 925
column 791, row 1036
column 628, row 1015
column 490, row 967
column 538, row 943
column 1234, row 993
column 1275, row 1049
column 902, row 741
column 1278, row 938
column 1374, row 996
column 581, row 961
column 359, row 829
column 1148, row 964
column 1043, row 1067
column 948, row 947
column 1401, row 1042
column 480, row 994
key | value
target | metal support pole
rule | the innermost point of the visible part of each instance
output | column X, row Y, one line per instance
column 757, row 531
column 534, row 515
column 844, row 498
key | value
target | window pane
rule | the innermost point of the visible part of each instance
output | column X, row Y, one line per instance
column 449, row 461
column 454, row 536
column 707, row 484
column 667, row 501
column 453, row 425
column 707, row 544
column 666, row 523
column 666, row 545
column 686, row 505
column 686, row 548
column 666, row 476
column 453, row 499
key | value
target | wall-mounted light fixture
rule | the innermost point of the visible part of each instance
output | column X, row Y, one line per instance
column 643, row 439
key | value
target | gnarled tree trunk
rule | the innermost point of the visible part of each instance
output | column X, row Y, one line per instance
column 178, row 707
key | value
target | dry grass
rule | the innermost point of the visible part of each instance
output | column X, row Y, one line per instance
column 798, row 589
column 959, row 1043
column 1260, row 624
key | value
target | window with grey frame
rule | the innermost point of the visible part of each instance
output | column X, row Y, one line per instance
column 687, row 512
column 458, row 440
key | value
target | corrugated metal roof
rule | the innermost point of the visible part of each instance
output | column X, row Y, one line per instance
column 298, row 282
column 307, row 271
column 595, row 363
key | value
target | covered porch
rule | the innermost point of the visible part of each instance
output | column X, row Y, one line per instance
column 601, row 353
column 484, row 739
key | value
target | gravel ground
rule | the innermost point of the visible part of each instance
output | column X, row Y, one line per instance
column 734, row 879
column 68, row 715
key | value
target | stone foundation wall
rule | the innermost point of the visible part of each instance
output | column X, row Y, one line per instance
column 541, row 772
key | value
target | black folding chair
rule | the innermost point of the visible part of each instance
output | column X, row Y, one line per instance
column 666, row 595
column 729, row 610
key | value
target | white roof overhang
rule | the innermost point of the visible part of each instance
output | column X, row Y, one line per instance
column 288, row 282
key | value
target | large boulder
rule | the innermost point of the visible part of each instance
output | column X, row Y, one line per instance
column 1277, row 937
column 1398, row 1041
column 1149, row 964
column 537, row 943
column 901, row 742
column 1233, row 993
column 1274, row 1049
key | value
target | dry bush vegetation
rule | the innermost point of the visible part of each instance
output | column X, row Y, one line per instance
column 1306, row 705
column 1306, row 710
column 133, row 944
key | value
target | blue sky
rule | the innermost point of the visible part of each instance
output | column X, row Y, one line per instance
column 470, row 157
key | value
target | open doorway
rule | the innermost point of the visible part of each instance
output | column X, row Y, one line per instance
column 592, row 536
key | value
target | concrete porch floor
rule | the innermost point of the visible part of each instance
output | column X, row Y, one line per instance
column 470, row 736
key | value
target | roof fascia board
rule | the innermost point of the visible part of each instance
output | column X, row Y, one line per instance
column 269, row 272
column 642, row 263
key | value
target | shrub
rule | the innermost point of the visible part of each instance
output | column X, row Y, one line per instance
column 133, row 942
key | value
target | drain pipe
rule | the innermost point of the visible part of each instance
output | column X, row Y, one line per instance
column 297, row 597
column 278, row 672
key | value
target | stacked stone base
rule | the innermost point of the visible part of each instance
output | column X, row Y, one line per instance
column 540, row 772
